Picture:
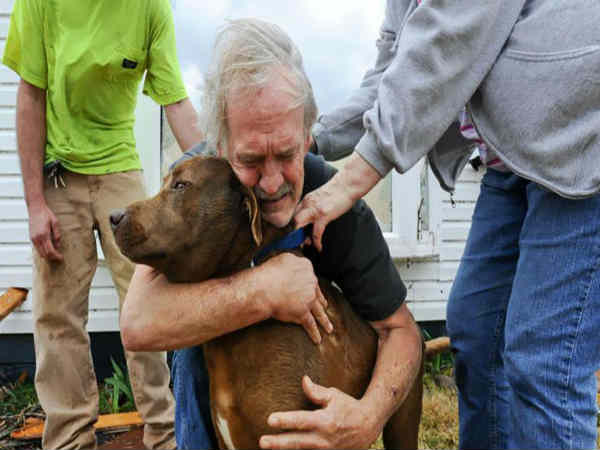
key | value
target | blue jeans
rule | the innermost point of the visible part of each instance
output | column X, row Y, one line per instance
column 523, row 319
column 193, row 424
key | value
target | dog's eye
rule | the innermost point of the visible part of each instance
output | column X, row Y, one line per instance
column 180, row 185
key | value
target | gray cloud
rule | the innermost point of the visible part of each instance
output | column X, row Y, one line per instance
column 336, row 38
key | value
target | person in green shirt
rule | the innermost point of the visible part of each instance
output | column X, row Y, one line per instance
column 80, row 63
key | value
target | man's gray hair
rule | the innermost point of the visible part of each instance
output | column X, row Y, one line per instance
column 246, row 55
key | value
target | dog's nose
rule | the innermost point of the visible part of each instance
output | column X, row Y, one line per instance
column 116, row 217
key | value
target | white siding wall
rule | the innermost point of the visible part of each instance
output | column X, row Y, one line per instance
column 429, row 280
column 15, row 249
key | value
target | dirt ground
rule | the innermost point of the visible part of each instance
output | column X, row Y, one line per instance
column 129, row 440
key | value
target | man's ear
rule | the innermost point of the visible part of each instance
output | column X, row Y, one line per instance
column 308, row 140
column 251, row 204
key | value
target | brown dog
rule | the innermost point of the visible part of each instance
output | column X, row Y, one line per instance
column 214, row 229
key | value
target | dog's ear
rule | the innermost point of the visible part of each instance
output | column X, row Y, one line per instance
column 251, row 204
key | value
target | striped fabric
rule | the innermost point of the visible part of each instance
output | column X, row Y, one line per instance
column 487, row 156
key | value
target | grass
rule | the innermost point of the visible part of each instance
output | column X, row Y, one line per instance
column 116, row 395
column 19, row 401
column 439, row 422
column 16, row 398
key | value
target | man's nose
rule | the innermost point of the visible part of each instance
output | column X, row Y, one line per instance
column 270, row 181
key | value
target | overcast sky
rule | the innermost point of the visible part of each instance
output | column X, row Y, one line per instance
column 336, row 38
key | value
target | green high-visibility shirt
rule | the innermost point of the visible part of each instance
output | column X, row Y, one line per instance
column 89, row 56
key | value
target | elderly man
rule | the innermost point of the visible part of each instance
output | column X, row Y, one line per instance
column 258, row 111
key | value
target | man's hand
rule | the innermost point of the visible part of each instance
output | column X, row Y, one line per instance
column 44, row 232
column 342, row 422
column 294, row 293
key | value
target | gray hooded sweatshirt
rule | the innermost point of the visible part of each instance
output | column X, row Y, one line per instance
column 528, row 70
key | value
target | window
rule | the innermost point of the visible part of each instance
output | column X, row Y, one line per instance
column 416, row 213
column 407, row 207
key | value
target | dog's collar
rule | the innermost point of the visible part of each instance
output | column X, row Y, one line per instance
column 288, row 242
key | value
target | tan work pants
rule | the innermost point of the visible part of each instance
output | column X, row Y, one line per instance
column 65, row 380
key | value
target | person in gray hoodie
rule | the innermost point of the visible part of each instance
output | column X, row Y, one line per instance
column 522, row 314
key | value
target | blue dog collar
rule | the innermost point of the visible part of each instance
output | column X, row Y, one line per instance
column 288, row 242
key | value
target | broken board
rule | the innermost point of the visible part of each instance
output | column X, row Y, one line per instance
column 11, row 299
column 34, row 428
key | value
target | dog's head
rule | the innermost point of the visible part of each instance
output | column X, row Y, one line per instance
column 203, row 223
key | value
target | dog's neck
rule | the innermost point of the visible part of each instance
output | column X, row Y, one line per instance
column 231, row 259
column 244, row 248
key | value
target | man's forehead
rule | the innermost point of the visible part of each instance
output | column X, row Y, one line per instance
column 268, row 118
column 263, row 106
column 256, row 145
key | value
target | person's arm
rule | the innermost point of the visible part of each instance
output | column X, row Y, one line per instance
column 25, row 53
column 346, row 422
column 158, row 315
column 436, row 63
column 183, row 121
column 163, row 81
column 337, row 131
column 437, row 57
column 31, row 143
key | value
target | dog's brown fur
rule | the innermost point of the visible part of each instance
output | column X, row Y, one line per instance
column 204, row 224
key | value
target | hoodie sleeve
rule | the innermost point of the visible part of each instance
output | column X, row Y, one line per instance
column 441, row 52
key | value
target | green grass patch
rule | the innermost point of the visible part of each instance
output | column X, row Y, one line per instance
column 116, row 395
column 17, row 397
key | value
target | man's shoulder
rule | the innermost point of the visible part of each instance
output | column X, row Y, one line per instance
column 156, row 7
column 201, row 149
column 316, row 172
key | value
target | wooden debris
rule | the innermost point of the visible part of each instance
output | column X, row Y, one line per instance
column 23, row 377
column 110, row 421
column 34, row 427
column 436, row 346
column 11, row 299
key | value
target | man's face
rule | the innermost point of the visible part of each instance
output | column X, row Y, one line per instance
column 266, row 148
